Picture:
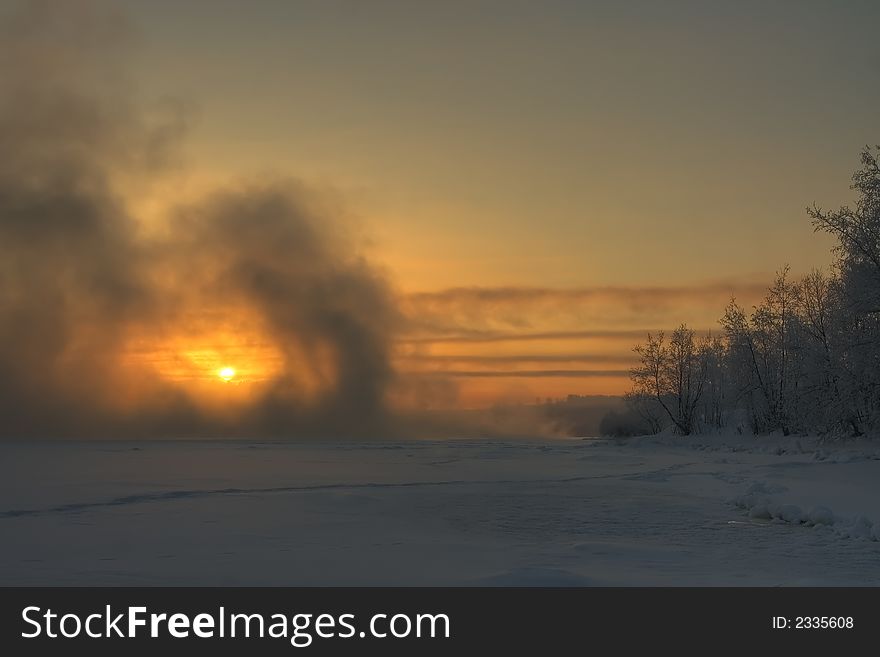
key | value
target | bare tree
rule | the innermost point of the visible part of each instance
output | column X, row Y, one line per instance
column 673, row 374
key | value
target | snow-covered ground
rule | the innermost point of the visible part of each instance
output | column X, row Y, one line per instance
column 649, row 511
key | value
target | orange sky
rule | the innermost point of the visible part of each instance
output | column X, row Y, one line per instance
column 566, row 175
column 510, row 194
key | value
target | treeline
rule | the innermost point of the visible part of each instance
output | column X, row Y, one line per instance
column 806, row 359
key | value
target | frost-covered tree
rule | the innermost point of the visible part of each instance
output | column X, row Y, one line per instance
column 805, row 359
column 857, row 316
column 817, row 403
column 713, row 402
column 673, row 374
column 760, row 347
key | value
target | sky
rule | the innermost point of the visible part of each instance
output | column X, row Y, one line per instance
column 534, row 185
column 522, row 143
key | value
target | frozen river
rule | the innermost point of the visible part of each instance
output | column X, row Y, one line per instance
column 580, row 512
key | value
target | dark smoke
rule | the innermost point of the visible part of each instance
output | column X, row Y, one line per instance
column 309, row 292
column 79, row 276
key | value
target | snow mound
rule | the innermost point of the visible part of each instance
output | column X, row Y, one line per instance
column 790, row 513
column 758, row 504
column 821, row 515
column 831, row 456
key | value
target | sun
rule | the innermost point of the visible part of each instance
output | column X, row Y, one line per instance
column 226, row 373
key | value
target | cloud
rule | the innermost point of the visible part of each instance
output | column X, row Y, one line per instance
column 265, row 251
column 440, row 359
column 500, row 313
column 638, row 296
column 83, row 281
column 111, row 322
column 519, row 343
column 533, row 374
column 465, row 335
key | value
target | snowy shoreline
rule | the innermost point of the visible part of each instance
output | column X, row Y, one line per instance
column 764, row 501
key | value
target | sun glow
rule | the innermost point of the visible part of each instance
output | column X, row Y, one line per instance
column 226, row 373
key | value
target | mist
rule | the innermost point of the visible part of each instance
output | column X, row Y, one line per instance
column 83, row 279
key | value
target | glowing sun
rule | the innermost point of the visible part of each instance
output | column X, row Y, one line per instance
column 226, row 373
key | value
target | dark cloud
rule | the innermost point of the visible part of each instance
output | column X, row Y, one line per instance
column 79, row 277
column 95, row 301
column 266, row 250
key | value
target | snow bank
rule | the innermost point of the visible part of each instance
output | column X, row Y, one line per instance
column 846, row 456
column 759, row 503
column 735, row 442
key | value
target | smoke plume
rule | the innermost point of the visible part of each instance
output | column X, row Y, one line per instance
column 85, row 282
